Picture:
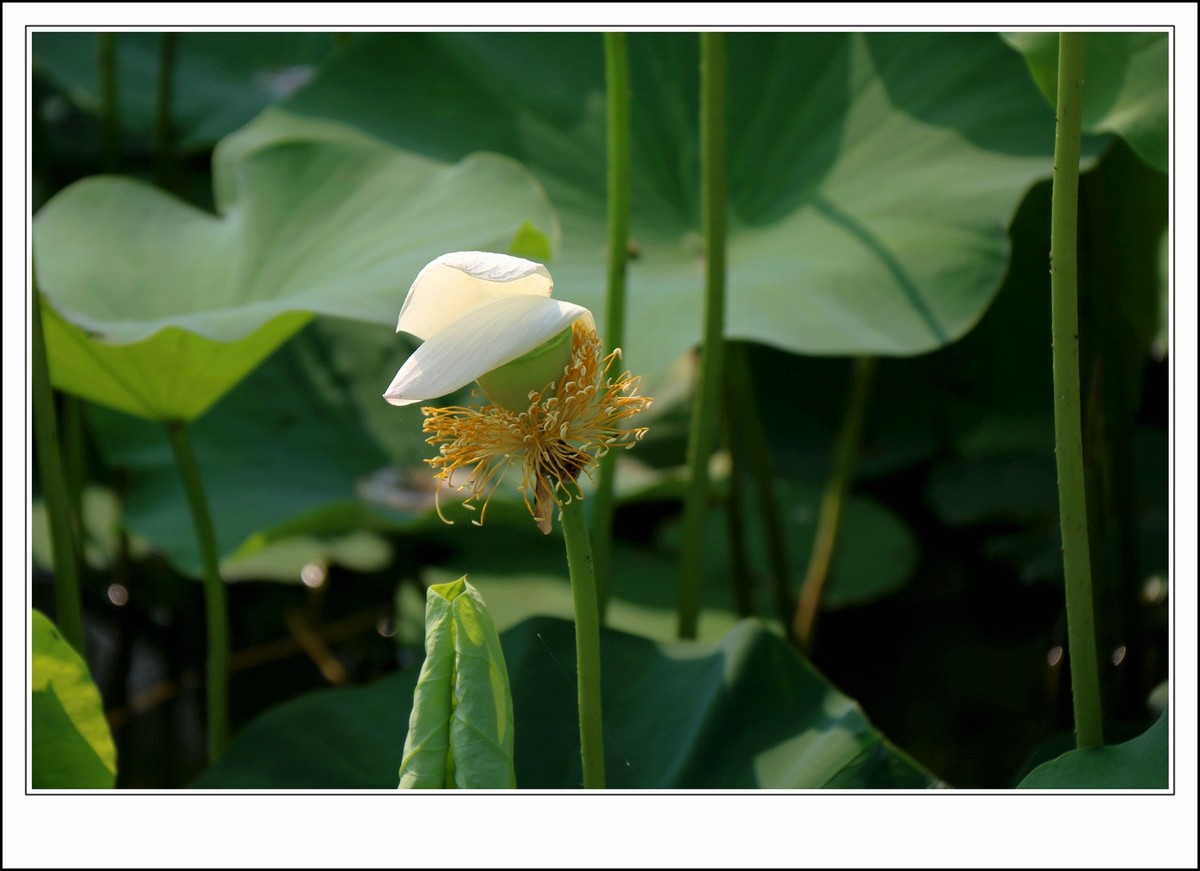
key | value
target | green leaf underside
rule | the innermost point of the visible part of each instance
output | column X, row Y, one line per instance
column 72, row 747
column 872, row 177
column 169, row 307
column 460, row 733
column 1142, row 763
column 744, row 712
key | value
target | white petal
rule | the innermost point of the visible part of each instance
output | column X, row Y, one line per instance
column 458, row 283
column 489, row 336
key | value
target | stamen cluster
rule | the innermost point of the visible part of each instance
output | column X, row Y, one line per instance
column 570, row 424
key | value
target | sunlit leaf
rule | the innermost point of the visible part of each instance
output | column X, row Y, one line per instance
column 157, row 308
column 872, row 177
column 72, row 747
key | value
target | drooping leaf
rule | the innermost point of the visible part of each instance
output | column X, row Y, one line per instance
column 157, row 309
column 871, row 177
column 743, row 712
column 72, row 747
column 1141, row 763
column 460, row 732
column 1125, row 85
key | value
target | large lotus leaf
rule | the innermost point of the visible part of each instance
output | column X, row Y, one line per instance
column 72, row 747
column 1142, row 763
column 220, row 80
column 871, row 177
column 741, row 713
column 165, row 307
column 1125, row 79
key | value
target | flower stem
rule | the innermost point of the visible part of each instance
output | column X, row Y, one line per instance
column 753, row 441
column 1068, row 427
column 587, row 641
column 110, row 122
column 616, row 64
column 833, row 505
column 707, row 407
column 63, row 524
column 216, row 610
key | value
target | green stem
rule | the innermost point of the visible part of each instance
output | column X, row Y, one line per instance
column 833, row 505
column 63, row 531
column 163, row 146
column 1068, row 427
column 587, row 641
column 616, row 64
column 110, row 123
column 707, row 407
column 739, row 556
column 216, row 610
column 753, row 440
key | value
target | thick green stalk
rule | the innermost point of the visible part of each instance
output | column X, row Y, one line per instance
column 707, row 407
column 216, row 609
column 587, row 642
column 164, row 150
column 753, row 442
column 1068, row 426
column 616, row 64
column 63, row 529
column 110, row 122
column 833, row 505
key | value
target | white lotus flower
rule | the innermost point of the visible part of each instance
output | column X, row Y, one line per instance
column 554, row 409
column 476, row 312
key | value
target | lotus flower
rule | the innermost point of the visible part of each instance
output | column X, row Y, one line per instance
column 553, row 409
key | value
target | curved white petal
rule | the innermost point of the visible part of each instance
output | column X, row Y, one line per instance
column 457, row 283
column 486, row 337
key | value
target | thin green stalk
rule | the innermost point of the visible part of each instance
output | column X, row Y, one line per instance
column 833, row 505
column 110, row 122
column 63, row 530
column 616, row 64
column 164, row 150
column 753, row 441
column 1068, row 426
column 739, row 556
column 707, row 407
column 216, row 609
column 587, row 642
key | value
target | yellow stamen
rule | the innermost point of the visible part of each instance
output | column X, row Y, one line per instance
column 564, row 432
